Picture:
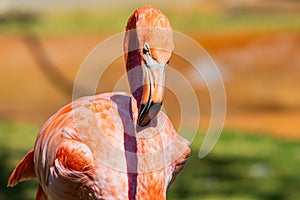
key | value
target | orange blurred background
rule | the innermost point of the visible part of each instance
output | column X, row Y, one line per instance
column 258, row 57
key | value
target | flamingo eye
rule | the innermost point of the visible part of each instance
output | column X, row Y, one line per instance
column 149, row 60
column 146, row 48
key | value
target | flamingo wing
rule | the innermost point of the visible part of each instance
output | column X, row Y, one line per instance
column 180, row 163
column 24, row 170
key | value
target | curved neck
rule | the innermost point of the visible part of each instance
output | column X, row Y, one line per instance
column 134, row 65
column 135, row 75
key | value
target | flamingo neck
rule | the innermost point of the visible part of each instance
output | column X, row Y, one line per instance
column 135, row 75
column 133, row 60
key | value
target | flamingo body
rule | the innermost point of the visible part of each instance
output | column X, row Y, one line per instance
column 112, row 145
column 87, row 151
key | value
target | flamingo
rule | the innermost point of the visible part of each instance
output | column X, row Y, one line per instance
column 114, row 145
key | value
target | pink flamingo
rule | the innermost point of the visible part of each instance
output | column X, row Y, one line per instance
column 114, row 145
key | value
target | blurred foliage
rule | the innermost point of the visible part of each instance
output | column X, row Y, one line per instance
column 15, row 141
column 110, row 21
column 241, row 166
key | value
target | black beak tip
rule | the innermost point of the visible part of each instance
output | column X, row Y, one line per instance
column 147, row 115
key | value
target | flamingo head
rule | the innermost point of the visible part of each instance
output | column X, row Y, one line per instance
column 148, row 47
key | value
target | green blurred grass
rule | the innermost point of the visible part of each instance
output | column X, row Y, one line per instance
column 105, row 22
column 112, row 21
column 16, row 139
column 241, row 166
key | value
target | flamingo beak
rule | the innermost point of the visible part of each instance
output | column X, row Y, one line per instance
column 153, row 89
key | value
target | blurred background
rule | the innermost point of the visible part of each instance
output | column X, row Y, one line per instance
column 256, row 44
